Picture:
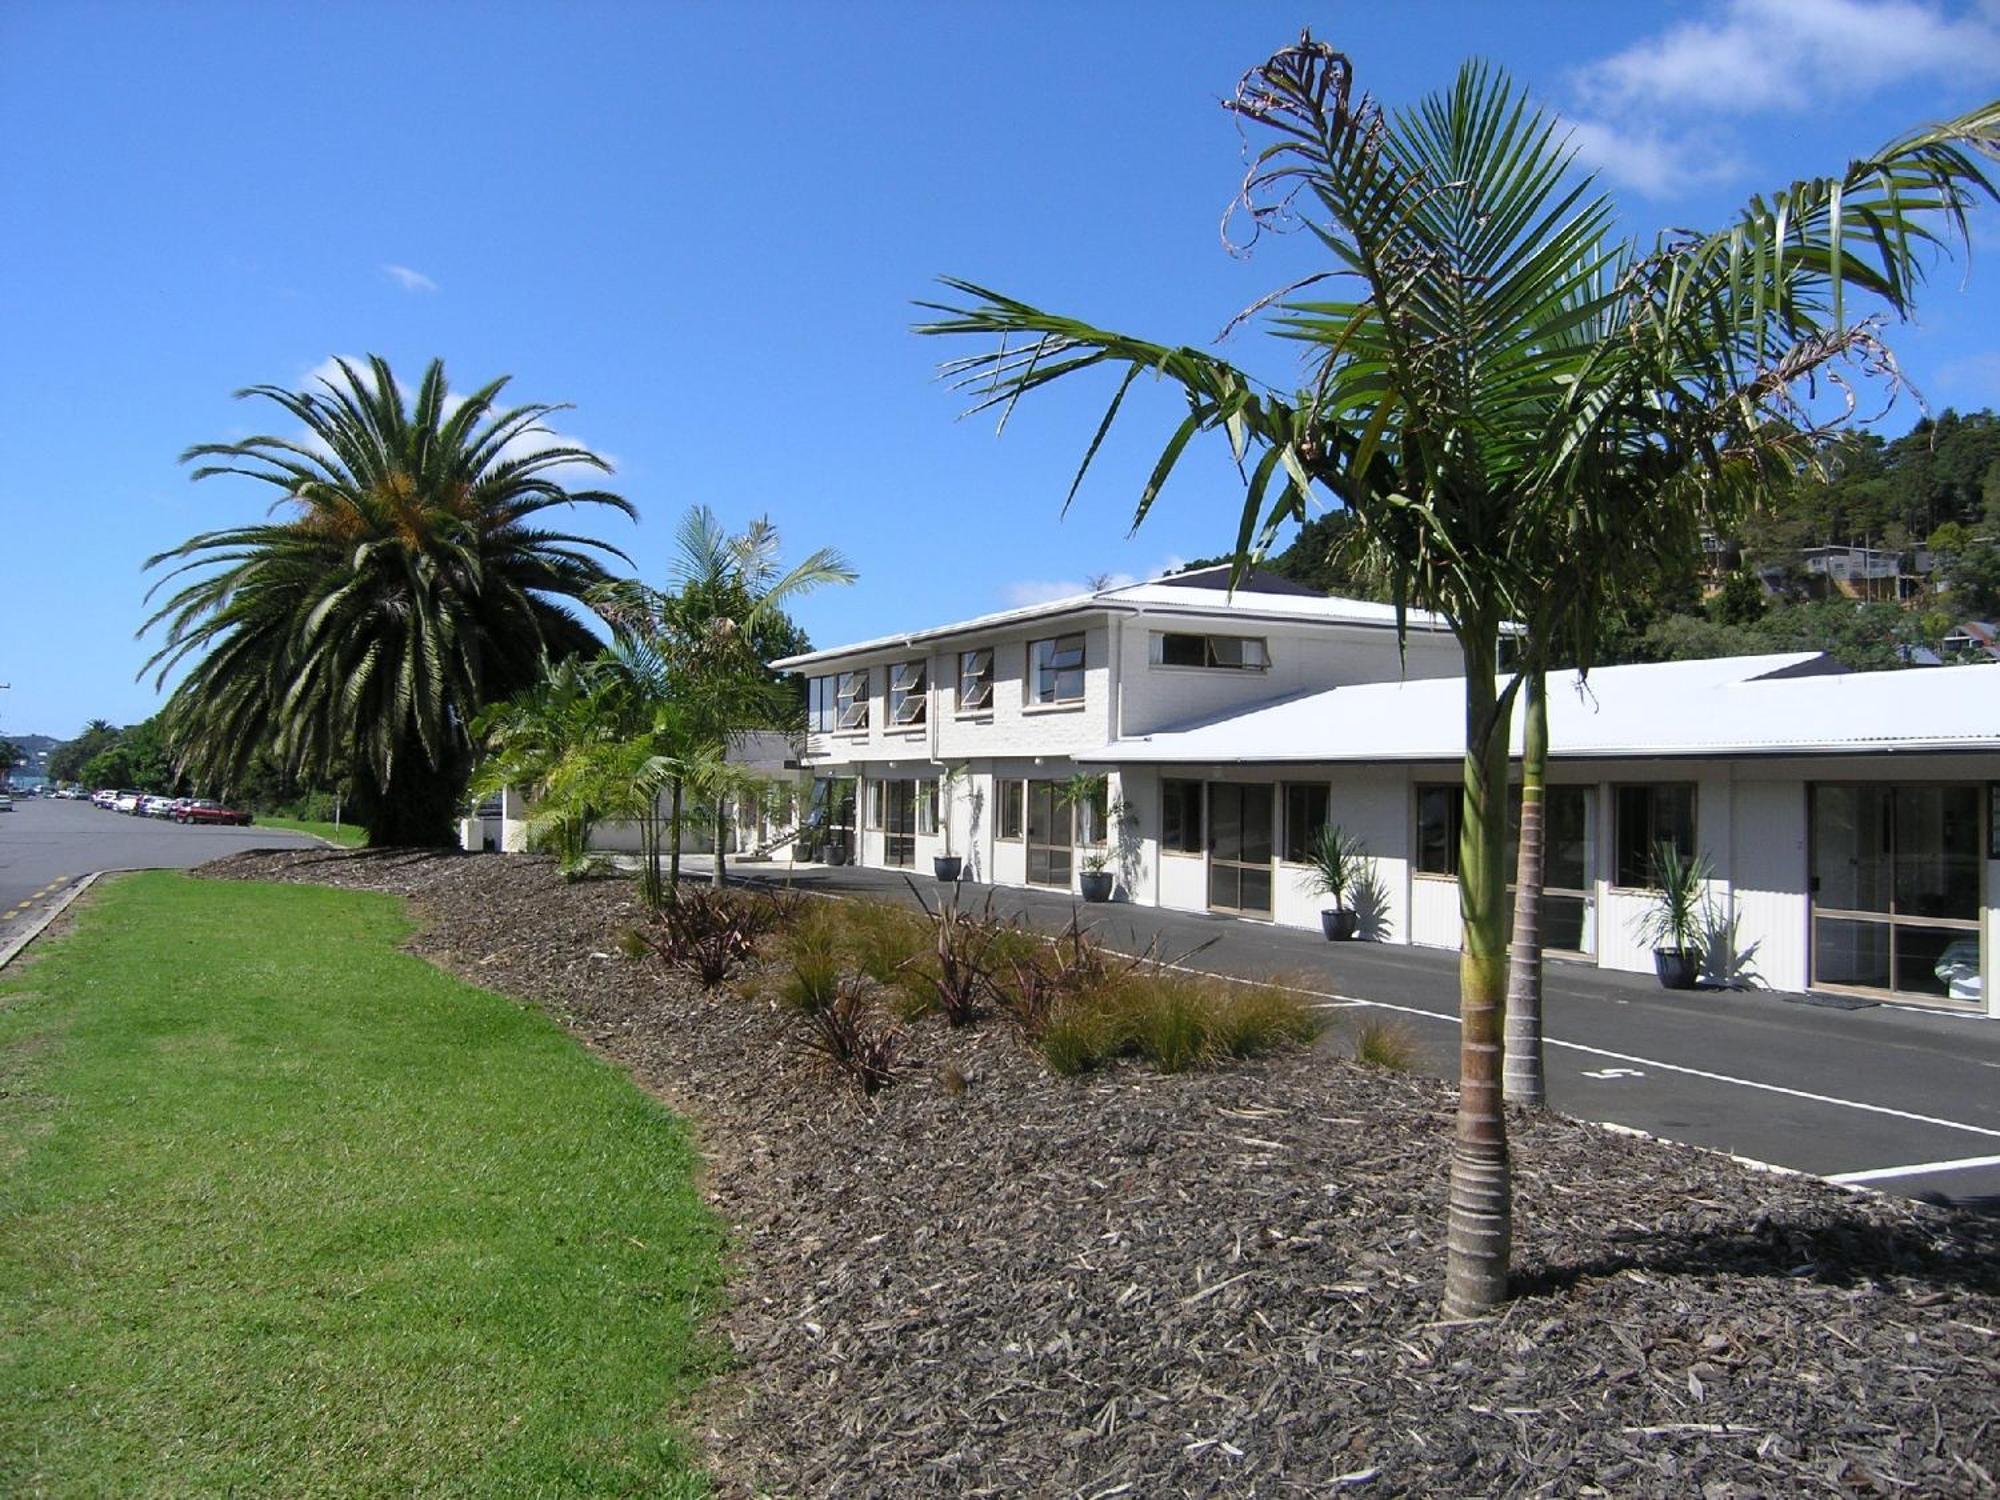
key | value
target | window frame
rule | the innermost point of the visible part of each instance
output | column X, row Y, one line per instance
column 901, row 699
column 1454, row 827
column 822, row 709
column 983, row 680
column 871, row 804
column 927, row 806
column 1653, row 789
column 846, row 701
column 1210, row 658
column 1297, row 853
column 1058, row 646
column 1011, row 792
column 1183, row 816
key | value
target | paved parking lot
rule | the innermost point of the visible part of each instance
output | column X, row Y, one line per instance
column 1898, row 1098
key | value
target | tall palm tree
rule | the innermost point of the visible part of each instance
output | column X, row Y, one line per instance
column 404, row 581
column 711, row 631
column 1505, row 386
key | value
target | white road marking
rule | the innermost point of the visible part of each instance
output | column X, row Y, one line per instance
column 1919, row 1169
column 1622, row 1057
column 1616, row 1073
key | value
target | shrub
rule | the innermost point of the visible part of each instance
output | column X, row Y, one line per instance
column 709, row 933
column 1174, row 1021
column 956, row 979
column 1380, row 1043
column 853, row 1039
column 812, row 983
column 883, row 939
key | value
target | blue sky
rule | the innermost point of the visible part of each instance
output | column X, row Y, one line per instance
column 704, row 226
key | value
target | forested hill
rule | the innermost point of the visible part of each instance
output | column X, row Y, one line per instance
column 1913, row 521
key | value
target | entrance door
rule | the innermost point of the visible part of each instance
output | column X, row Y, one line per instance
column 899, row 822
column 1895, row 889
column 832, row 813
column 1568, row 902
column 1051, row 836
column 1239, row 848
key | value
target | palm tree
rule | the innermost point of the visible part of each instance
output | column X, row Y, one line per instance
column 404, row 582
column 1505, row 386
column 712, row 631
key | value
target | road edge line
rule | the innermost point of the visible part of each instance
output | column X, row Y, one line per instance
column 19, row 945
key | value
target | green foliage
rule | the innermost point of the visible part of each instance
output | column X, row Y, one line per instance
column 1385, row 1044
column 1173, row 1021
column 135, row 759
column 1680, row 890
column 286, row 1210
column 1334, row 862
column 404, row 584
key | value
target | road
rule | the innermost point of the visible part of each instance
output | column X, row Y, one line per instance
column 46, row 846
column 1899, row 1098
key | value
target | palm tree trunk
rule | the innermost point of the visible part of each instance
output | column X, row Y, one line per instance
column 717, row 876
column 1526, row 1080
column 674, row 833
column 1478, row 1228
column 650, row 893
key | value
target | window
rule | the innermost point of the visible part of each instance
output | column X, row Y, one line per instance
column 1093, row 816
column 909, row 693
column 1180, row 817
column 1241, row 653
column 1646, row 816
column 1013, row 794
column 822, row 711
column 927, row 807
column 851, row 700
column 975, row 679
column 1055, row 670
column 1305, row 816
column 1439, row 811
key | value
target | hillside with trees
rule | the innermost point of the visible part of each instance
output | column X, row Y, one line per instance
column 1876, row 560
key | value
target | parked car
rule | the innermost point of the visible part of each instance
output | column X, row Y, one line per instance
column 127, row 802
column 206, row 810
column 6, row 803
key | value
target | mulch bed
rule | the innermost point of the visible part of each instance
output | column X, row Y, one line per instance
column 1226, row 1283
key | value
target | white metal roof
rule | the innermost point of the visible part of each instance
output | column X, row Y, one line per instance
column 1162, row 595
column 1738, row 705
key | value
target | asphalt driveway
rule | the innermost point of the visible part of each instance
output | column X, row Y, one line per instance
column 1894, row 1097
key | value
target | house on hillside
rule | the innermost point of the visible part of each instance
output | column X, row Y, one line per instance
column 1850, row 817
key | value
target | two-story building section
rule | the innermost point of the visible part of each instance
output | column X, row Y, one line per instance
column 964, row 739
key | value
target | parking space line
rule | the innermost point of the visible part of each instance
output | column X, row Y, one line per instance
column 1626, row 1057
column 1919, row 1169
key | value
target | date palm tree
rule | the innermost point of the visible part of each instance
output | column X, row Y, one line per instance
column 1500, row 387
column 404, row 580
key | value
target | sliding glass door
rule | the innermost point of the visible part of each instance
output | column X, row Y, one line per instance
column 1051, row 836
column 899, row 823
column 1895, row 888
column 1239, row 848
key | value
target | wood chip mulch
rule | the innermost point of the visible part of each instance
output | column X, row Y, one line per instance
column 1226, row 1283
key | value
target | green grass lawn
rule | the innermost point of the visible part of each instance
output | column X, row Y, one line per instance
column 348, row 835
column 286, row 1211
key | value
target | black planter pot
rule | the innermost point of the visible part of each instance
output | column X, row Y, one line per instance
column 835, row 854
column 947, row 867
column 1678, row 968
column 1095, row 884
column 1339, row 924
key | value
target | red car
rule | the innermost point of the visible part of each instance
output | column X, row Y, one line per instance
column 202, row 810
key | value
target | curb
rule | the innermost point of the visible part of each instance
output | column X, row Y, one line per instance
column 14, row 949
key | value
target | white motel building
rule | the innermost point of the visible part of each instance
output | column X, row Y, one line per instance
column 1850, row 817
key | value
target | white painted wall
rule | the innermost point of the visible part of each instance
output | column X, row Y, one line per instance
column 1768, row 866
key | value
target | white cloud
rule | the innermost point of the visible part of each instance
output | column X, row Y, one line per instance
column 1783, row 55
column 408, row 280
column 1657, row 116
column 1047, row 590
column 1648, row 160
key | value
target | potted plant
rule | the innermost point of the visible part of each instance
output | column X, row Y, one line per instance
column 1334, row 864
column 947, row 866
column 1673, row 925
column 1095, row 881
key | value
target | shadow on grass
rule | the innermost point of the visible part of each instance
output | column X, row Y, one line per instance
column 1958, row 1250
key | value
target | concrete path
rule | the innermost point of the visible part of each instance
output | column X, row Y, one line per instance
column 1899, row 1098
